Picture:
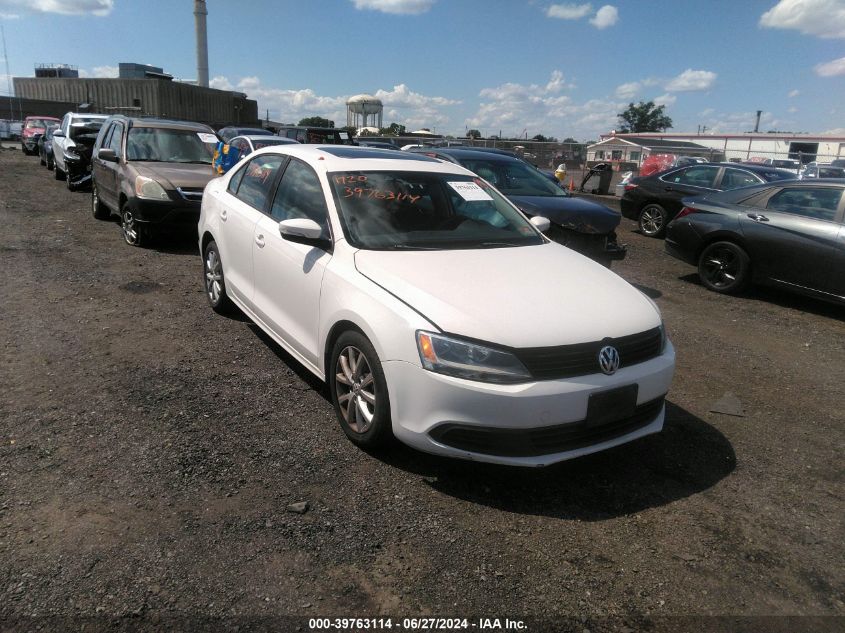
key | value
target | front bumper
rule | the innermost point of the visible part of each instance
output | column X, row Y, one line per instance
column 30, row 144
column 530, row 424
column 601, row 247
column 182, row 212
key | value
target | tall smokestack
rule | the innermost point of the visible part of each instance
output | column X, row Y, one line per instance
column 202, row 42
column 757, row 124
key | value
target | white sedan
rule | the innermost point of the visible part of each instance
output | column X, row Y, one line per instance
column 435, row 310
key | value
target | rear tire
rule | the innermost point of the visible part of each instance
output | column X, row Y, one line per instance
column 359, row 391
column 58, row 174
column 724, row 267
column 213, row 280
column 98, row 209
column 652, row 220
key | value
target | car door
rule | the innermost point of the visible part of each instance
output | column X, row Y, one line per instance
column 795, row 238
column 59, row 143
column 289, row 275
column 246, row 200
column 105, row 172
column 689, row 181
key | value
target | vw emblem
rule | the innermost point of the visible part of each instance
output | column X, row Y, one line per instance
column 608, row 359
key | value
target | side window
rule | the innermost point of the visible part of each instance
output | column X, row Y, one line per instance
column 257, row 179
column 300, row 196
column 696, row 176
column 817, row 202
column 114, row 141
column 736, row 178
column 235, row 180
column 103, row 138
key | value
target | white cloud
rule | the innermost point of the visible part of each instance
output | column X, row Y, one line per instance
column 792, row 110
column 793, row 93
column 665, row 100
column 628, row 90
column 569, row 11
column 837, row 131
column 822, row 18
column 220, row 83
column 691, row 80
column 833, row 68
column 739, row 122
column 64, row 7
column 106, row 72
column 401, row 104
column 605, row 17
column 396, row 7
column 8, row 16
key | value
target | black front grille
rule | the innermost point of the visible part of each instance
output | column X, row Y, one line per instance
column 565, row 361
column 545, row 440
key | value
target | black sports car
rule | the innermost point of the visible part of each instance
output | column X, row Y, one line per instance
column 787, row 233
column 582, row 225
column 652, row 201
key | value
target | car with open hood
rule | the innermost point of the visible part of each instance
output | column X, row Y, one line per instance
column 151, row 173
column 436, row 311
column 580, row 224
column 73, row 143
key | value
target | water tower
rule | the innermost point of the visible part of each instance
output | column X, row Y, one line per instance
column 364, row 111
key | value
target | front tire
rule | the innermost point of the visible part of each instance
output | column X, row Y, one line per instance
column 724, row 267
column 133, row 233
column 70, row 185
column 359, row 391
column 652, row 220
column 58, row 174
column 213, row 280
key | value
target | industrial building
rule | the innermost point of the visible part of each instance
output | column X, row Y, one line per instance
column 149, row 96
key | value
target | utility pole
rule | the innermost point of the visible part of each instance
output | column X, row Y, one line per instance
column 8, row 75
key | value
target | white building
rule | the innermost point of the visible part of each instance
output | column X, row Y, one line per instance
column 743, row 147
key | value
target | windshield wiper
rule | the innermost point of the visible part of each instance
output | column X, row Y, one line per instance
column 410, row 247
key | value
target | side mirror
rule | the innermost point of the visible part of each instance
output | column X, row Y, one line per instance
column 304, row 231
column 107, row 155
column 540, row 223
column 58, row 134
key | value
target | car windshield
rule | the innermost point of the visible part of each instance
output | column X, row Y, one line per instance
column 85, row 128
column 393, row 210
column 170, row 145
column 777, row 174
column 514, row 178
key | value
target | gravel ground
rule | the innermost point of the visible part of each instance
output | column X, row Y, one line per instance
column 151, row 451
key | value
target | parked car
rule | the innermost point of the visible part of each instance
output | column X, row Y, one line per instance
column 434, row 309
column 33, row 127
column 787, row 234
column 231, row 131
column 839, row 162
column 75, row 129
column 783, row 163
column 248, row 143
column 814, row 170
column 151, row 173
column 319, row 135
column 45, row 146
column 377, row 144
column 653, row 201
column 583, row 225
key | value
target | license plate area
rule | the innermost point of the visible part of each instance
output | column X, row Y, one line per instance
column 607, row 407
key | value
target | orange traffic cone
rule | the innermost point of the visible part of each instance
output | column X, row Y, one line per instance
column 571, row 185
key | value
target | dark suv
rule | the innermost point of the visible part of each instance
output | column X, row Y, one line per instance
column 151, row 173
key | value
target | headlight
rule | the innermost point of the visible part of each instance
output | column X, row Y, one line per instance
column 71, row 155
column 150, row 189
column 454, row 357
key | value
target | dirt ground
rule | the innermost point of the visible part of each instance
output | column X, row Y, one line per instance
column 149, row 450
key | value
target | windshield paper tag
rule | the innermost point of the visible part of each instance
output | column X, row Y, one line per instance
column 470, row 191
column 206, row 137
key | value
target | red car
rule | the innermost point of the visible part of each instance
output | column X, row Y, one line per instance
column 33, row 127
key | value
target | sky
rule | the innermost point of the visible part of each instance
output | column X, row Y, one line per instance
column 514, row 68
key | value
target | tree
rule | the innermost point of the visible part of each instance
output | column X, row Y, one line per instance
column 473, row 134
column 316, row 121
column 394, row 129
column 644, row 117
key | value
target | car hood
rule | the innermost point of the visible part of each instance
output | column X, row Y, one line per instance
column 573, row 213
column 531, row 296
column 173, row 175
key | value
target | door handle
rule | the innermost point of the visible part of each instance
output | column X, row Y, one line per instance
column 757, row 217
column 668, row 189
column 259, row 239
column 224, row 214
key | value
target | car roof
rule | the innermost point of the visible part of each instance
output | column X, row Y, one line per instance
column 468, row 153
column 165, row 123
column 281, row 140
column 332, row 158
column 89, row 115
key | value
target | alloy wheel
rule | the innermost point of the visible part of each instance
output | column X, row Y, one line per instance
column 129, row 227
column 651, row 220
column 721, row 267
column 355, row 386
column 213, row 276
